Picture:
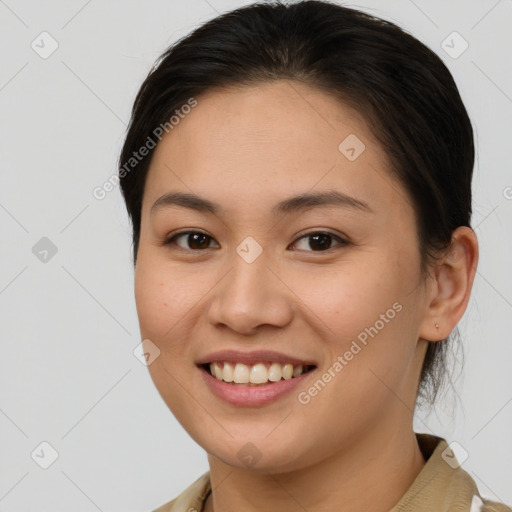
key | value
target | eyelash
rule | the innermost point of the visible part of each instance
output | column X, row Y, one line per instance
column 171, row 240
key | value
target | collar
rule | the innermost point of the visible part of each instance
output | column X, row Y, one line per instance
column 441, row 486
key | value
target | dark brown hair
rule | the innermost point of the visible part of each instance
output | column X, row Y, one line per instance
column 402, row 89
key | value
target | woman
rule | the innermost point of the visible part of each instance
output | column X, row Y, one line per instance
column 298, row 179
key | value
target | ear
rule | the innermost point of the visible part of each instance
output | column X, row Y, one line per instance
column 450, row 289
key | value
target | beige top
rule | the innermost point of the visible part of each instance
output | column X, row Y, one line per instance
column 441, row 486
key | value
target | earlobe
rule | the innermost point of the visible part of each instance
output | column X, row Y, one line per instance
column 452, row 286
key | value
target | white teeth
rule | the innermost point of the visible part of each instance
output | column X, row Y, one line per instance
column 241, row 373
column 287, row 371
column 274, row 372
column 216, row 371
column 297, row 371
column 255, row 374
column 227, row 373
column 258, row 374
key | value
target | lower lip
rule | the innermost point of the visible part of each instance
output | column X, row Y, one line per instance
column 251, row 396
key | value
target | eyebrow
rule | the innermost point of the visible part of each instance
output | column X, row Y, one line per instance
column 288, row 206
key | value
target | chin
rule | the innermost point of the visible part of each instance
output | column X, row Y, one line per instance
column 258, row 455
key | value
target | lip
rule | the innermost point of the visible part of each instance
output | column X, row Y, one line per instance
column 257, row 356
column 251, row 396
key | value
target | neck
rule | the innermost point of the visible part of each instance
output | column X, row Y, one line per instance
column 372, row 475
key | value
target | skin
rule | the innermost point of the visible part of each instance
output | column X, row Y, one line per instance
column 247, row 149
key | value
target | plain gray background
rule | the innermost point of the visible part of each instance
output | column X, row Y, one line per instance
column 69, row 326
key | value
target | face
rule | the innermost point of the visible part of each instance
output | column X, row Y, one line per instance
column 332, row 284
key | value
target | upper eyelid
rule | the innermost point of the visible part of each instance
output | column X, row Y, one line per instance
column 341, row 238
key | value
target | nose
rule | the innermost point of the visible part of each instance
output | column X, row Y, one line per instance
column 251, row 295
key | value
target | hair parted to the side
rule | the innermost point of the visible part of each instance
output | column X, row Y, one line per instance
column 402, row 89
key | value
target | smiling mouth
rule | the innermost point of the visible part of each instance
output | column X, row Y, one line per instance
column 259, row 374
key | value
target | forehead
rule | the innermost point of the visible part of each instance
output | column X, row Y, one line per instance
column 272, row 140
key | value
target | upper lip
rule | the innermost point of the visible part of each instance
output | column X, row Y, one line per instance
column 257, row 356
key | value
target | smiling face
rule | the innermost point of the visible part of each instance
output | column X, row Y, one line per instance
column 328, row 275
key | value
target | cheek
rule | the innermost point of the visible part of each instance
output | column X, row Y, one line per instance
column 163, row 299
column 348, row 297
column 164, row 295
column 367, row 315
column 151, row 299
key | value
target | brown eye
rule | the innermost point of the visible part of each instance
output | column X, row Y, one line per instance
column 321, row 241
column 196, row 240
